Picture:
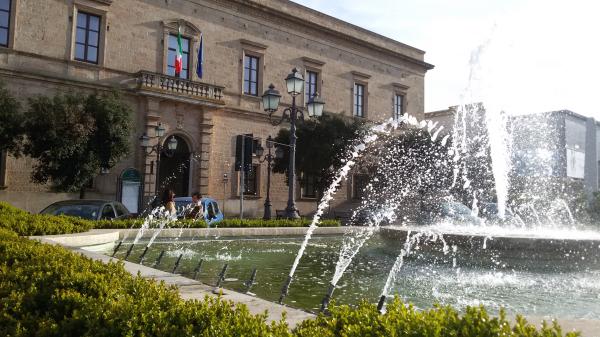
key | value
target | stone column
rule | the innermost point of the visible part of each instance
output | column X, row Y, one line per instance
column 590, row 178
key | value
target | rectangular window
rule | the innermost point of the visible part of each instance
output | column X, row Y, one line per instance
column 311, row 85
column 398, row 106
column 251, row 75
column 172, row 55
column 4, row 22
column 251, row 181
column 87, row 37
column 308, row 186
column 359, row 100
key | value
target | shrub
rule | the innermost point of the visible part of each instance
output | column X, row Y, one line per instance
column 27, row 224
column 227, row 223
column 403, row 320
column 48, row 291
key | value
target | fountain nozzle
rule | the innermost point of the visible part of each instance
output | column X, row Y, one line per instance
column 327, row 297
column 222, row 275
column 381, row 303
column 157, row 262
column 128, row 252
column 284, row 290
column 177, row 263
column 251, row 281
column 117, row 248
column 143, row 255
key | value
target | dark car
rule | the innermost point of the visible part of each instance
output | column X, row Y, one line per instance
column 89, row 209
column 489, row 211
column 452, row 211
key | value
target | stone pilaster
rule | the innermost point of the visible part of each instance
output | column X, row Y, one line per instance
column 204, row 150
column 152, row 119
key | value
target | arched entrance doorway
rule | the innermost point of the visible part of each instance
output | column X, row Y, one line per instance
column 174, row 171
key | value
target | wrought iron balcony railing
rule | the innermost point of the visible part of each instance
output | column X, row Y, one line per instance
column 181, row 87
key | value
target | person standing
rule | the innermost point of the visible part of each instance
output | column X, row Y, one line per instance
column 168, row 202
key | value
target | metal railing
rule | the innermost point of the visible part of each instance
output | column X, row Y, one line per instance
column 180, row 86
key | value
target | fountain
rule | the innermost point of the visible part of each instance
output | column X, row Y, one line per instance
column 536, row 257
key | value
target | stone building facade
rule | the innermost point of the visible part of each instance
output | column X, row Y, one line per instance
column 53, row 46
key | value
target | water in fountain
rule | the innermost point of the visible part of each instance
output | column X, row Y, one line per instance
column 387, row 194
column 370, row 136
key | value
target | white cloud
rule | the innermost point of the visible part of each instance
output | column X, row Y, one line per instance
column 540, row 55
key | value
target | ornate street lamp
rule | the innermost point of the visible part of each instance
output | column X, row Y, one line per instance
column 158, row 149
column 271, row 98
column 269, row 158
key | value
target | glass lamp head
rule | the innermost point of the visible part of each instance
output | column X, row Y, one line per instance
column 294, row 82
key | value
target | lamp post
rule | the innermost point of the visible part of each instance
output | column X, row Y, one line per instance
column 269, row 158
column 158, row 149
column 271, row 97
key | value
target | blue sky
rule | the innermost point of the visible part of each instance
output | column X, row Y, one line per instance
column 518, row 56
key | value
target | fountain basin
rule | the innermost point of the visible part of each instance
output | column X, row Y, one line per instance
column 529, row 277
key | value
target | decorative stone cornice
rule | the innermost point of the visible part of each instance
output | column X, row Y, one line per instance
column 358, row 74
column 313, row 62
column 253, row 44
column 188, row 27
column 400, row 86
column 103, row 2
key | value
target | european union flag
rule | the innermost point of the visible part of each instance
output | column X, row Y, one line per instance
column 200, row 58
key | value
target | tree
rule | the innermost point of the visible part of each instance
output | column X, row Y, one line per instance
column 320, row 147
column 11, row 123
column 73, row 137
column 407, row 171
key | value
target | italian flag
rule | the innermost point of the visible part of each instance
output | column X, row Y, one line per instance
column 179, row 58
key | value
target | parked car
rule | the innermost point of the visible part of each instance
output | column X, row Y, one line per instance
column 212, row 212
column 452, row 211
column 89, row 209
column 489, row 211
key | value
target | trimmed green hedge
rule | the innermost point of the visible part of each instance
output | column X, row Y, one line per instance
column 46, row 290
column 26, row 224
column 403, row 320
column 226, row 223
